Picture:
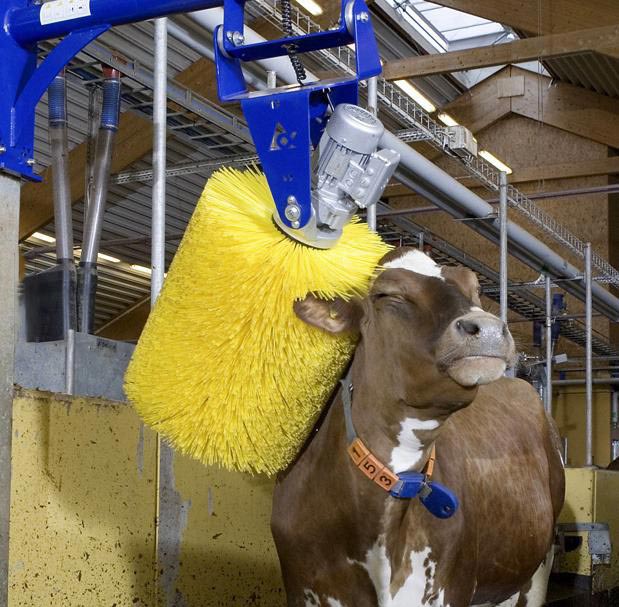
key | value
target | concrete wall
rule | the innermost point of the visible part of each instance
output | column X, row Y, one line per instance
column 83, row 512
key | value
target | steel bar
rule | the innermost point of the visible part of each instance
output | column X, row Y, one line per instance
column 69, row 363
column 29, row 25
column 160, row 110
column 159, row 158
column 373, row 109
column 548, row 387
column 503, row 247
column 602, row 381
column 9, row 237
column 588, row 359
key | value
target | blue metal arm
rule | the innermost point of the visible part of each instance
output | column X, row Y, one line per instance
column 24, row 82
column 287, row 124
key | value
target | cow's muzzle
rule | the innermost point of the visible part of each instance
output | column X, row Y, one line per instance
column 476, row 349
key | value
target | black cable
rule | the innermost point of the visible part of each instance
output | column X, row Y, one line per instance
column 291, row 49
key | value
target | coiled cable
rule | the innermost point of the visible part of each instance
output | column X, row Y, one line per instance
column 291, row 49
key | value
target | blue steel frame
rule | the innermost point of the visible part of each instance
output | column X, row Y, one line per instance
column 285, row 124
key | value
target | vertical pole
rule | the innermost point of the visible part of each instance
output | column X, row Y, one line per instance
column 588, row 359
column 614, row 424
column 271, row 79
column 373, row 109
column 159, row 157
column 160, row 111
column 9, row 236
column 548, row 340
column 503, row 244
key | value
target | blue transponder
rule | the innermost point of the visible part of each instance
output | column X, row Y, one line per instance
column 440, row 501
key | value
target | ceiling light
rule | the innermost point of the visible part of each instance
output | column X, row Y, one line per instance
column 493, row 160
column 412, row 92
column 447, row 120
column 143, row 269
column 43, row 237
column 313, row 8
column 104, row 257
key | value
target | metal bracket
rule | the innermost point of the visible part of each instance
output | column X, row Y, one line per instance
column 600, row 546
column 24, row 84
column 287, row 123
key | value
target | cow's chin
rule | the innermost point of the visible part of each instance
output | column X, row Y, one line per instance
column 476, row 370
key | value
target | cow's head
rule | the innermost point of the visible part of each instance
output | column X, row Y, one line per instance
column 424, row 334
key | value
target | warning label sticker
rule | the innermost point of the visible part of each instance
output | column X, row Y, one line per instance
column 63, row 10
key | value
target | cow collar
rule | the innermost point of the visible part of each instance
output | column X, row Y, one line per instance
column 438, row 499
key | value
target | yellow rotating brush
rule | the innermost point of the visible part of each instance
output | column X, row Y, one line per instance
column 224, row 370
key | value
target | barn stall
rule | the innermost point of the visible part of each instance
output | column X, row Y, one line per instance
column 503, row 120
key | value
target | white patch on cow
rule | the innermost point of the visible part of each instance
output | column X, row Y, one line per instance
column 416, row 261
column 476, row 309
column 331, row 602
column 311, row 598
column 418, row 588
column 409, row 451
column 536, row 596
column 511, row 601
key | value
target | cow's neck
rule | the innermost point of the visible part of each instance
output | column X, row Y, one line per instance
column 397, row 431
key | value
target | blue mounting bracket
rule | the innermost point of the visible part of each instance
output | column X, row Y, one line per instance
column 287, row 123
column 23, row 85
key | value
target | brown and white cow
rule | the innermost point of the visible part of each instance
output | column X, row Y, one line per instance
column 428, row 371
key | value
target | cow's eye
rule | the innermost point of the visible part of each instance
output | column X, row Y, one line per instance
column 393, row 297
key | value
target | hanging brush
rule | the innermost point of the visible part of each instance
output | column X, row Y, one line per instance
column 224, row 370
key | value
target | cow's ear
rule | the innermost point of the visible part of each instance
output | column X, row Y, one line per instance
column 333, row 316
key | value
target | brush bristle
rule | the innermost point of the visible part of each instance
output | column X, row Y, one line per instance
column 224, row 370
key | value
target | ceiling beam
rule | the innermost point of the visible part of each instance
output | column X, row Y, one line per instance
column 599, row 39
column 537, row 17
column 567, row 107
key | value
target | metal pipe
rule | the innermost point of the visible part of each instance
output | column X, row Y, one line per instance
column 614, row 425
column 588, row 356
column 423, row 176
column 30, row 24
column 63, row 222
column 9, row 220
column 94, row 215
column 160, row 112
column 602, row 381
column 373, row 109
column 69, row 363
column 271, row 79
column 57, row 105
column 503, row 246
column 548, row 388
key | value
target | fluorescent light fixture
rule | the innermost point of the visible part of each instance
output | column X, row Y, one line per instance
column 411, row 91
column 43, row 237
column 313, row 8
column 142, row 269
column 447, row 120
column 105, row 257
column 493, row 160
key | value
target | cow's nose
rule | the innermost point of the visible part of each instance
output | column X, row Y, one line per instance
column 481, row 326
column 468, row 327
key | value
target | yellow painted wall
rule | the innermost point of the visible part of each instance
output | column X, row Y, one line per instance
column 569, row 413
column 83, row 510
column 591, row 497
